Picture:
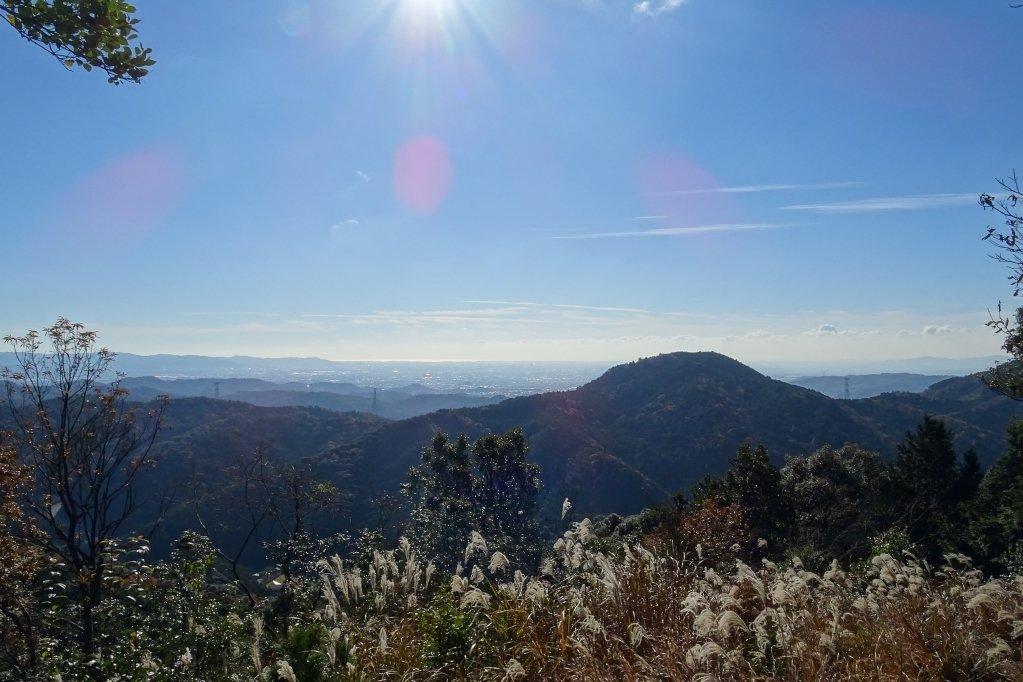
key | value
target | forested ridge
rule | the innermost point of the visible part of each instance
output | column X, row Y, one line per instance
column 637, row 516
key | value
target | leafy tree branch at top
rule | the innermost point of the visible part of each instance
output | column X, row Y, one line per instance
column 91, row 34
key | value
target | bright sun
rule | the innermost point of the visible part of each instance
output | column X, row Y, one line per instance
column 438, row 6
column 431, row 15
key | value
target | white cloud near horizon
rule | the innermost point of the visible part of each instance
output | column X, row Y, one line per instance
column 673, row 231
column 484, row 329
column 934, row 330
column 915, row 202
column 827, row 329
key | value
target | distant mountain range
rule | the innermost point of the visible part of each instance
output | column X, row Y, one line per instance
column 788, row 370
column 494, row 378
column 395, row 403
column 477, row 378
column 868, row 385
column 634, row 436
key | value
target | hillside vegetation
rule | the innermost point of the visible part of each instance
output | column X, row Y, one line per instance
column 203, row 539
column 628, row 440
column 645, row 430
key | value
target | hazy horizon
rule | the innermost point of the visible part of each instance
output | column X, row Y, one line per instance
column 850, row 360
column 509, row 377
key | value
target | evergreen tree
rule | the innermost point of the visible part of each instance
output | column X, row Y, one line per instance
column 996, row 515
column 506, row 490
column 441, row 492
column 970, row 476
column 839, row 501
column 754, row 483
column 926, row 483
column 489, row 488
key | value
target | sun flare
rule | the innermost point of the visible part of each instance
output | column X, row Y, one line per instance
column 431, row 8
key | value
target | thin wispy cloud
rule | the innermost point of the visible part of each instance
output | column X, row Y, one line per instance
column 510, row 315
column 355, row 181
column 648, row 217
column 935, row 330
column 230, row 313
column 673, row 231
column 655, row 7
column 340, row 229
column 752, row 189
column 905, row 203
column 500, row 314
column 562, row 306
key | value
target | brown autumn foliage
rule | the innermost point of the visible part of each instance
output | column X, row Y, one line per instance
column 20, row 562
column 716, row 533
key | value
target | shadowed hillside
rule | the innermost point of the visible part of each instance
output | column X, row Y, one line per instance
column 202, row 437
column 647, row 429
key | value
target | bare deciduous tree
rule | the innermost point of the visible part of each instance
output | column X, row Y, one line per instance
column 269, row 505
column 85, row 448
column 236, row 533
column 1007, row 378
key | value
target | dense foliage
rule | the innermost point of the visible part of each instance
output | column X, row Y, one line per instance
column 676, row 603
column 489, row 488
column 836, row 564
column 91, row 34
column 849, row 503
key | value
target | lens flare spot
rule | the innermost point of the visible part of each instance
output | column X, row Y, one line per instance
column 677, row 187
column 127, row 197
column 422, row 174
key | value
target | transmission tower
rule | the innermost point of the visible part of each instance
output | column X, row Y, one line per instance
column 847, row 388
column 216, row 389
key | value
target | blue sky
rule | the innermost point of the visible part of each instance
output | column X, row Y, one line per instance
column 556, row 179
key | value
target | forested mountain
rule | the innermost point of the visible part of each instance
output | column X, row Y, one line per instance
column 647, row 429
column 196, row 428
column 628, row 439
column 203, row 440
